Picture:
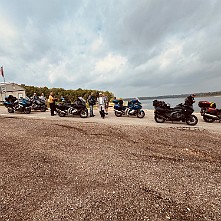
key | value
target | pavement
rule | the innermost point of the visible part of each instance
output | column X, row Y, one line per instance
column 118, row 169
column 111, row 119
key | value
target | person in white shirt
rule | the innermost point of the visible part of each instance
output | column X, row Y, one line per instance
column 101, row 104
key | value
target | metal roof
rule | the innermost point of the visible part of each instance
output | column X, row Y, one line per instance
column 10, row 87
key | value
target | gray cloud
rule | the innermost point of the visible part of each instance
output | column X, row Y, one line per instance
column 149, row 48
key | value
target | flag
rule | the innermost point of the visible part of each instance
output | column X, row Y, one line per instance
column 2, row 72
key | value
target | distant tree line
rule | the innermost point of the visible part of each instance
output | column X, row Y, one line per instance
column 201, row 94
column 70, row 95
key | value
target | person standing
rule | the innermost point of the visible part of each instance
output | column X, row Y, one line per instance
column 101, row 104
column 34, row 97
column 106, row 101
column 91, row 101
column 42, row 97
column 51, row 101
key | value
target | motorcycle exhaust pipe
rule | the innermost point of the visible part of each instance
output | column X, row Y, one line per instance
column 211, row 116
column 117, row 111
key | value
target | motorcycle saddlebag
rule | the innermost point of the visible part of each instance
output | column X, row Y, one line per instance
column 212, row 111
column 161, row 110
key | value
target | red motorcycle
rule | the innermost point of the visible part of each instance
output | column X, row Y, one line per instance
column 209, row 111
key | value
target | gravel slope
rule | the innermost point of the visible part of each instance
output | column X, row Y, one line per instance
column 65, row 170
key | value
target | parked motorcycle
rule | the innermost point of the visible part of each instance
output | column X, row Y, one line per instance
column 163, row 112
column 77, row 108
column 134, row 108
column 39, row 104
column 22, row 105
column 209, row 111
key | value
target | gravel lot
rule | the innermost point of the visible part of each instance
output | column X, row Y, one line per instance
column 94, row 169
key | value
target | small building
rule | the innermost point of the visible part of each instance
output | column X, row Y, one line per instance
column 13, row 89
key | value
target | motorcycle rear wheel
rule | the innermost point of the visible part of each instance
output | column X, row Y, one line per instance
column 84, row 113
column 61, row 114
column 192, row 120
column 159, row 119
column 209, row 120
column 10, row 110
column 140, row 114
column 118, row 114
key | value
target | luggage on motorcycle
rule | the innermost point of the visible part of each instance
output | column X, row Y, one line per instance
column 157, row 103
column 133, row 101
column 163, row 104
column 207, row 104
column 11, row 99
column 120, row 101
column 161, row 110
column 212, row 111
column 115, row 101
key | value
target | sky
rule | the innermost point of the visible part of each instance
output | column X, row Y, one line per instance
column 130, row 48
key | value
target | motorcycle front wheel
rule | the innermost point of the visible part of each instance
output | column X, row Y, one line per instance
column 43, row 109
column 209, row 120
column 84, row 113
column 159, row 119
column 192, row 120
column 27, row 110
column 118, row 114
column 140, row 114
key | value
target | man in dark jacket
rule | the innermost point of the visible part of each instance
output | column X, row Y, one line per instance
column 91, row 101
column 189, row 101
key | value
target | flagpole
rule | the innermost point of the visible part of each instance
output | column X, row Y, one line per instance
column 2, row 72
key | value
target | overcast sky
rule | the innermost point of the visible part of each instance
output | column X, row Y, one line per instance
column 131, row 48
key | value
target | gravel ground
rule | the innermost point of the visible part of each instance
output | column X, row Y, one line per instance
column 70, row 170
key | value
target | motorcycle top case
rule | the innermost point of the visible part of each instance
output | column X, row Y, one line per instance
column 157, row 103
column 206, row 104
column 120, row 102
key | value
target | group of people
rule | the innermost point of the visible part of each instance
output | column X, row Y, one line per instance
column 101, row 101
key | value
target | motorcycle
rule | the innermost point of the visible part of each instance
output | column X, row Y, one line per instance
column 209, row 111
column 134, row 108
column 163, row 112
column 77, row 108
column 39, row 104
column 22, row 105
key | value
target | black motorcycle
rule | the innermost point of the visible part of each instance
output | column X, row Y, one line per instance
column 77, row 108
column 13, row 104
column 163, row 112
column 39, row 104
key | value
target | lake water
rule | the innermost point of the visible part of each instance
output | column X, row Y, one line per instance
column 148, row 104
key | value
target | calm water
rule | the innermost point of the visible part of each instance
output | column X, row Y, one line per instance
column 148, row 104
